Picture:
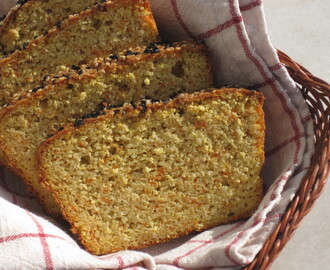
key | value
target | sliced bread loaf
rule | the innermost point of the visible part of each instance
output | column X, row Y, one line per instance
column 103, row 29
column 139, row 176
column 156, row 71
column 32, row 18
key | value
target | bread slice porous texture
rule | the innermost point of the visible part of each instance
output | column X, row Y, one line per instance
column 156, row 71
column 97, row 32
column 32, row 18
column 140, row 176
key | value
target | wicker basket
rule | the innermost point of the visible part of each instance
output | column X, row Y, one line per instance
column 317, row 94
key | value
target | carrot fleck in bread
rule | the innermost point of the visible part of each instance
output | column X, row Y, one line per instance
column 139, row 176
column 103, row 29
column 30, row 19
column 157, row 71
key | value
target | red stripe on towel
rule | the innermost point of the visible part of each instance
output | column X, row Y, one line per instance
column 121, row 263
column 263, row 73
column 28, row 235
column 251, row 5
column 241, row 234
column 205, row 243
column 265, row 83
column 44, row 243
column 306, row 119
column 216, row 30
column 276, row 67
column 285, row 143
column 179, row 18
column 219, row 28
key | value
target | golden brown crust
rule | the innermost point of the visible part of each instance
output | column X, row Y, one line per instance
column 18, row 64
column 100, row 65
column 182, row 99
column 10, row 17
column 52, row 82
column 127, row 108
column 150, row 19
column 11, row 165
column 18, row 54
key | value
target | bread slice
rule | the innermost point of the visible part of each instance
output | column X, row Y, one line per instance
column 103, row 29
column 157, row 71
column 30, row 19
column 139, row 176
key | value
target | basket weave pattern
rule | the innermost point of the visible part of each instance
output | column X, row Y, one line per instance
column 317, row 95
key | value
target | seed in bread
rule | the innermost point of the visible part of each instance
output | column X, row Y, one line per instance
column 136, row 177
column 157, row 71
column 103, row 29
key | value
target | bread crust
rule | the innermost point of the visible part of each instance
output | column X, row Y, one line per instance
column 104, row 65
column 53, row 82
column 183, row 98
column 12, row 64
column 18, row 54
column 9, row 20
column 10, row 17
column 210, row 94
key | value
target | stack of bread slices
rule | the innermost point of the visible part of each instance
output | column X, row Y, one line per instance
column 121, row 133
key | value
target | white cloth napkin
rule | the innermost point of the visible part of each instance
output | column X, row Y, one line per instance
column 242, row 54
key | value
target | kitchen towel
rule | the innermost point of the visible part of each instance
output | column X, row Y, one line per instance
column 242, row 54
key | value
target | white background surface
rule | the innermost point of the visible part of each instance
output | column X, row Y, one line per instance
column 301, row 29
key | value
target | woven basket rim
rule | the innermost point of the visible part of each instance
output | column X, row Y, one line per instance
column 315, row 179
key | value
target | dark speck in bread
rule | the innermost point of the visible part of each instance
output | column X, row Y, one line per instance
column 36, row 89
column 129, row 52
column 151, row 49
column 22, row 2
column 113, row 56
column 74, row 67
column 78, row 122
